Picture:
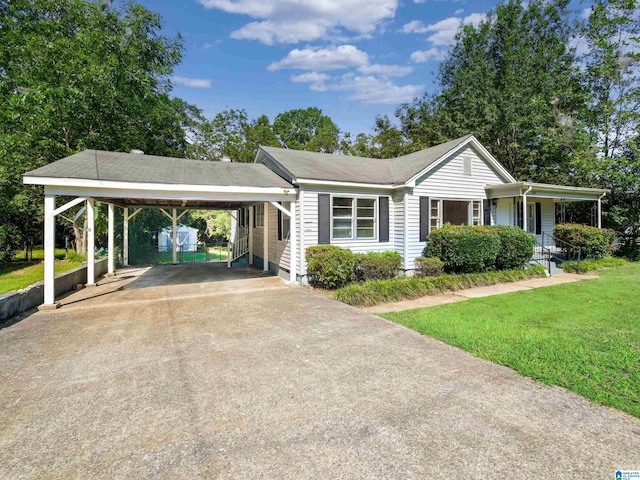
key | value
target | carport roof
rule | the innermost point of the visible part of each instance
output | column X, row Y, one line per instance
column 128, row 167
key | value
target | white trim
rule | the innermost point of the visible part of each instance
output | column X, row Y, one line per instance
column 281, row 208
column 68, row 205
column 301, row 237
column 469, row 201
column 354, row 218
column 265, row 239
column 486, row 156
column 177, row 187
column 405, row 212
column 293, row 253
column 307, row 181
column 110, row 239
column 49, row 248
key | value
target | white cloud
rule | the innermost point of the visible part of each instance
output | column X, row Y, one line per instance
column 323, row 59
column 374, row 90
column 422, row 56
column 459, row 11
column 385, row 70
column 292, row 21
column 586, row 13
column 315, row 79
column 445, row 30
column 191, row 82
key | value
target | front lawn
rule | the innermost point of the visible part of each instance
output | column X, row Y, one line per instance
column 15, row 276
column 584, row 336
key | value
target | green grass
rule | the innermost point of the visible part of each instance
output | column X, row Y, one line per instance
column 374, row 292
column 592, row 265
column 583, row 336
column 214, row 254
column 38, row 254
column 16, row 277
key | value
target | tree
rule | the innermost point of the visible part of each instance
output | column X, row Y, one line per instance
column 307, row 129
column 514, row 83
column 612, row 32
column 77, row 75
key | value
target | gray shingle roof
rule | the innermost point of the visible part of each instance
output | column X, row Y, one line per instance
column 346, row 168
column 127, row 167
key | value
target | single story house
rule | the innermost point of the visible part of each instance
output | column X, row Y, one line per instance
column 372, row 205
column 289, row 200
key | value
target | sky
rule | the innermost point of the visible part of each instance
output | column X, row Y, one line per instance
column 354, row 59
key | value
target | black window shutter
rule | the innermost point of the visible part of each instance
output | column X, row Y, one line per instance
column 519, row 214
column 424, row 218
column 538, row 218
column 486, row 208
column 324, row 218
column 383, row 223
column 255, row 216
column 280, row 223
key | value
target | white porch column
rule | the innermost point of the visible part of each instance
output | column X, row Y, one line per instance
column 174, row 223
column 265, row 239
column 91, row 242
column 600, row 212
column 49, row 249
column 125, row 237
column 111, row 267
column 293, row 244
column 524, row 212
column 251, row 213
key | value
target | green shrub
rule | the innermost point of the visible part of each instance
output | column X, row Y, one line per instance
column 406, row 288
column 591, row 265
column 377, row 265
column 593, row 242
column 429, row 267
column 464, row 249
column 516, row 247
column 329, row 266
column 73, row 256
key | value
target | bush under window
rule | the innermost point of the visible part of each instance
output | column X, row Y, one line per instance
column 377, row 265
column 429, row 267
column 464, row 249
column 329, row 266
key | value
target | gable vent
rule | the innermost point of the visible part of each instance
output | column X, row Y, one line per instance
column 466, row 166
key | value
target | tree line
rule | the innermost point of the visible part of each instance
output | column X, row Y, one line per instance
column 553, row 94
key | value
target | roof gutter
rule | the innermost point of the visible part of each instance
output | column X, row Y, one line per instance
column 310, row 181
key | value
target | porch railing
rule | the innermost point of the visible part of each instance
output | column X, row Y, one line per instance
column 237, row 249
column 552, row 249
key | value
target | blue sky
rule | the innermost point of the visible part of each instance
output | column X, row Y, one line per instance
column 354, row 59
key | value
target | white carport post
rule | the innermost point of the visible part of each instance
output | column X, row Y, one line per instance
column 600, row 210
column 49, row 249
column 293, row 244
column 111, row 268
column 251, row 213
column 524, row 209
column 91, row 243
column 265, row 240
column 174, row 225
column 125, row 237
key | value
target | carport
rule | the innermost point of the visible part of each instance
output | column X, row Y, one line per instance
column 133, row 181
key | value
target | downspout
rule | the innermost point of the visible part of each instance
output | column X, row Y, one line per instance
column 524, row 208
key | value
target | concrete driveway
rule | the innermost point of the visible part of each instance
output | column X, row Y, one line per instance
column 195, row 372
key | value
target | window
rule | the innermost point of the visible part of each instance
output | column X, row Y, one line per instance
column 455, row 212
column 353, row 218
column 259, row 214
column 477, row 212
column 285, row 221
column 434, row 216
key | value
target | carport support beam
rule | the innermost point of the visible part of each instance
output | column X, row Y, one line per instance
column 49, row 249
column 265, row 239
column 174, row 232
column 293, row 244
column 111, row 268
column 91, row 243
column 125, row 237
column 251, row 220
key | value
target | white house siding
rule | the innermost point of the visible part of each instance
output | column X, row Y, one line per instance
column 447, row 181
column 548, row 210
column 309, row 197
column 397, row 225
column 258, row 236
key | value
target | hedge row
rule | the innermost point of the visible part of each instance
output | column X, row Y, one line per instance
column 467, row 249
column 407, row 288
column 329, row 266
